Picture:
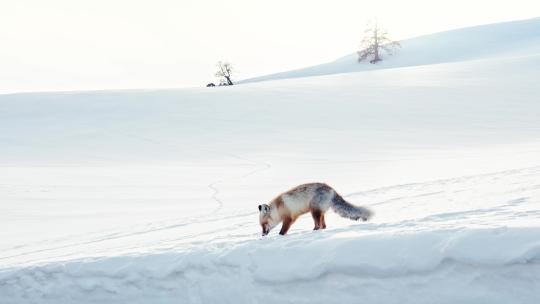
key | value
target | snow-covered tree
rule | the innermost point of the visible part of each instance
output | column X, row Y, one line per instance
column 224, row 72
column 376, row 41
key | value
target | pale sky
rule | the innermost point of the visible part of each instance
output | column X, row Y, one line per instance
column 123, row 44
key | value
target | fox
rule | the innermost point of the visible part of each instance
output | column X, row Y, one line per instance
column 315, row 198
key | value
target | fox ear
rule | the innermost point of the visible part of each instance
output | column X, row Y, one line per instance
column 260, row 207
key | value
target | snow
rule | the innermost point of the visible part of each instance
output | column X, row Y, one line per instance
column 486, row 41
column 151, row 196
column 440, row 266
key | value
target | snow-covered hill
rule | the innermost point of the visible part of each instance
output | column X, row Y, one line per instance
column 151, row 196
column 493, row 40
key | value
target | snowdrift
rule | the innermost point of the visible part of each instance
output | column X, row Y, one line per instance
column 490, row 265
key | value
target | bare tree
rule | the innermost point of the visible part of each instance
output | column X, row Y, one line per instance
column 375, row 41
column 224, row 72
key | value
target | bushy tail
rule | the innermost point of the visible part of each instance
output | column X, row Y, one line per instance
column 348, row 210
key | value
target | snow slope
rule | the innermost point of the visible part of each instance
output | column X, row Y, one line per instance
column 150, row 196
column 493, row 40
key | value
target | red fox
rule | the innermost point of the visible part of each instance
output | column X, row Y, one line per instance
column 316, row 198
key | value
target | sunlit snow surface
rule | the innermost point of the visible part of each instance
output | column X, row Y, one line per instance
column 151, row 196
column 515, row 38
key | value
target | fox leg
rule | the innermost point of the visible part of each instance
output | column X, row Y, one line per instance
column 322, row 221
column 287, row 222
column 316, row 214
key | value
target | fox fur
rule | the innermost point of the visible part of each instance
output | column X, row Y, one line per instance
column 315, row 198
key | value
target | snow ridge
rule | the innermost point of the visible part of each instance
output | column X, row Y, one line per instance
column 264, row 265
column 505, row 39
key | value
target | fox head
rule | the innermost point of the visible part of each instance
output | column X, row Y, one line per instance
column 265, row 219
